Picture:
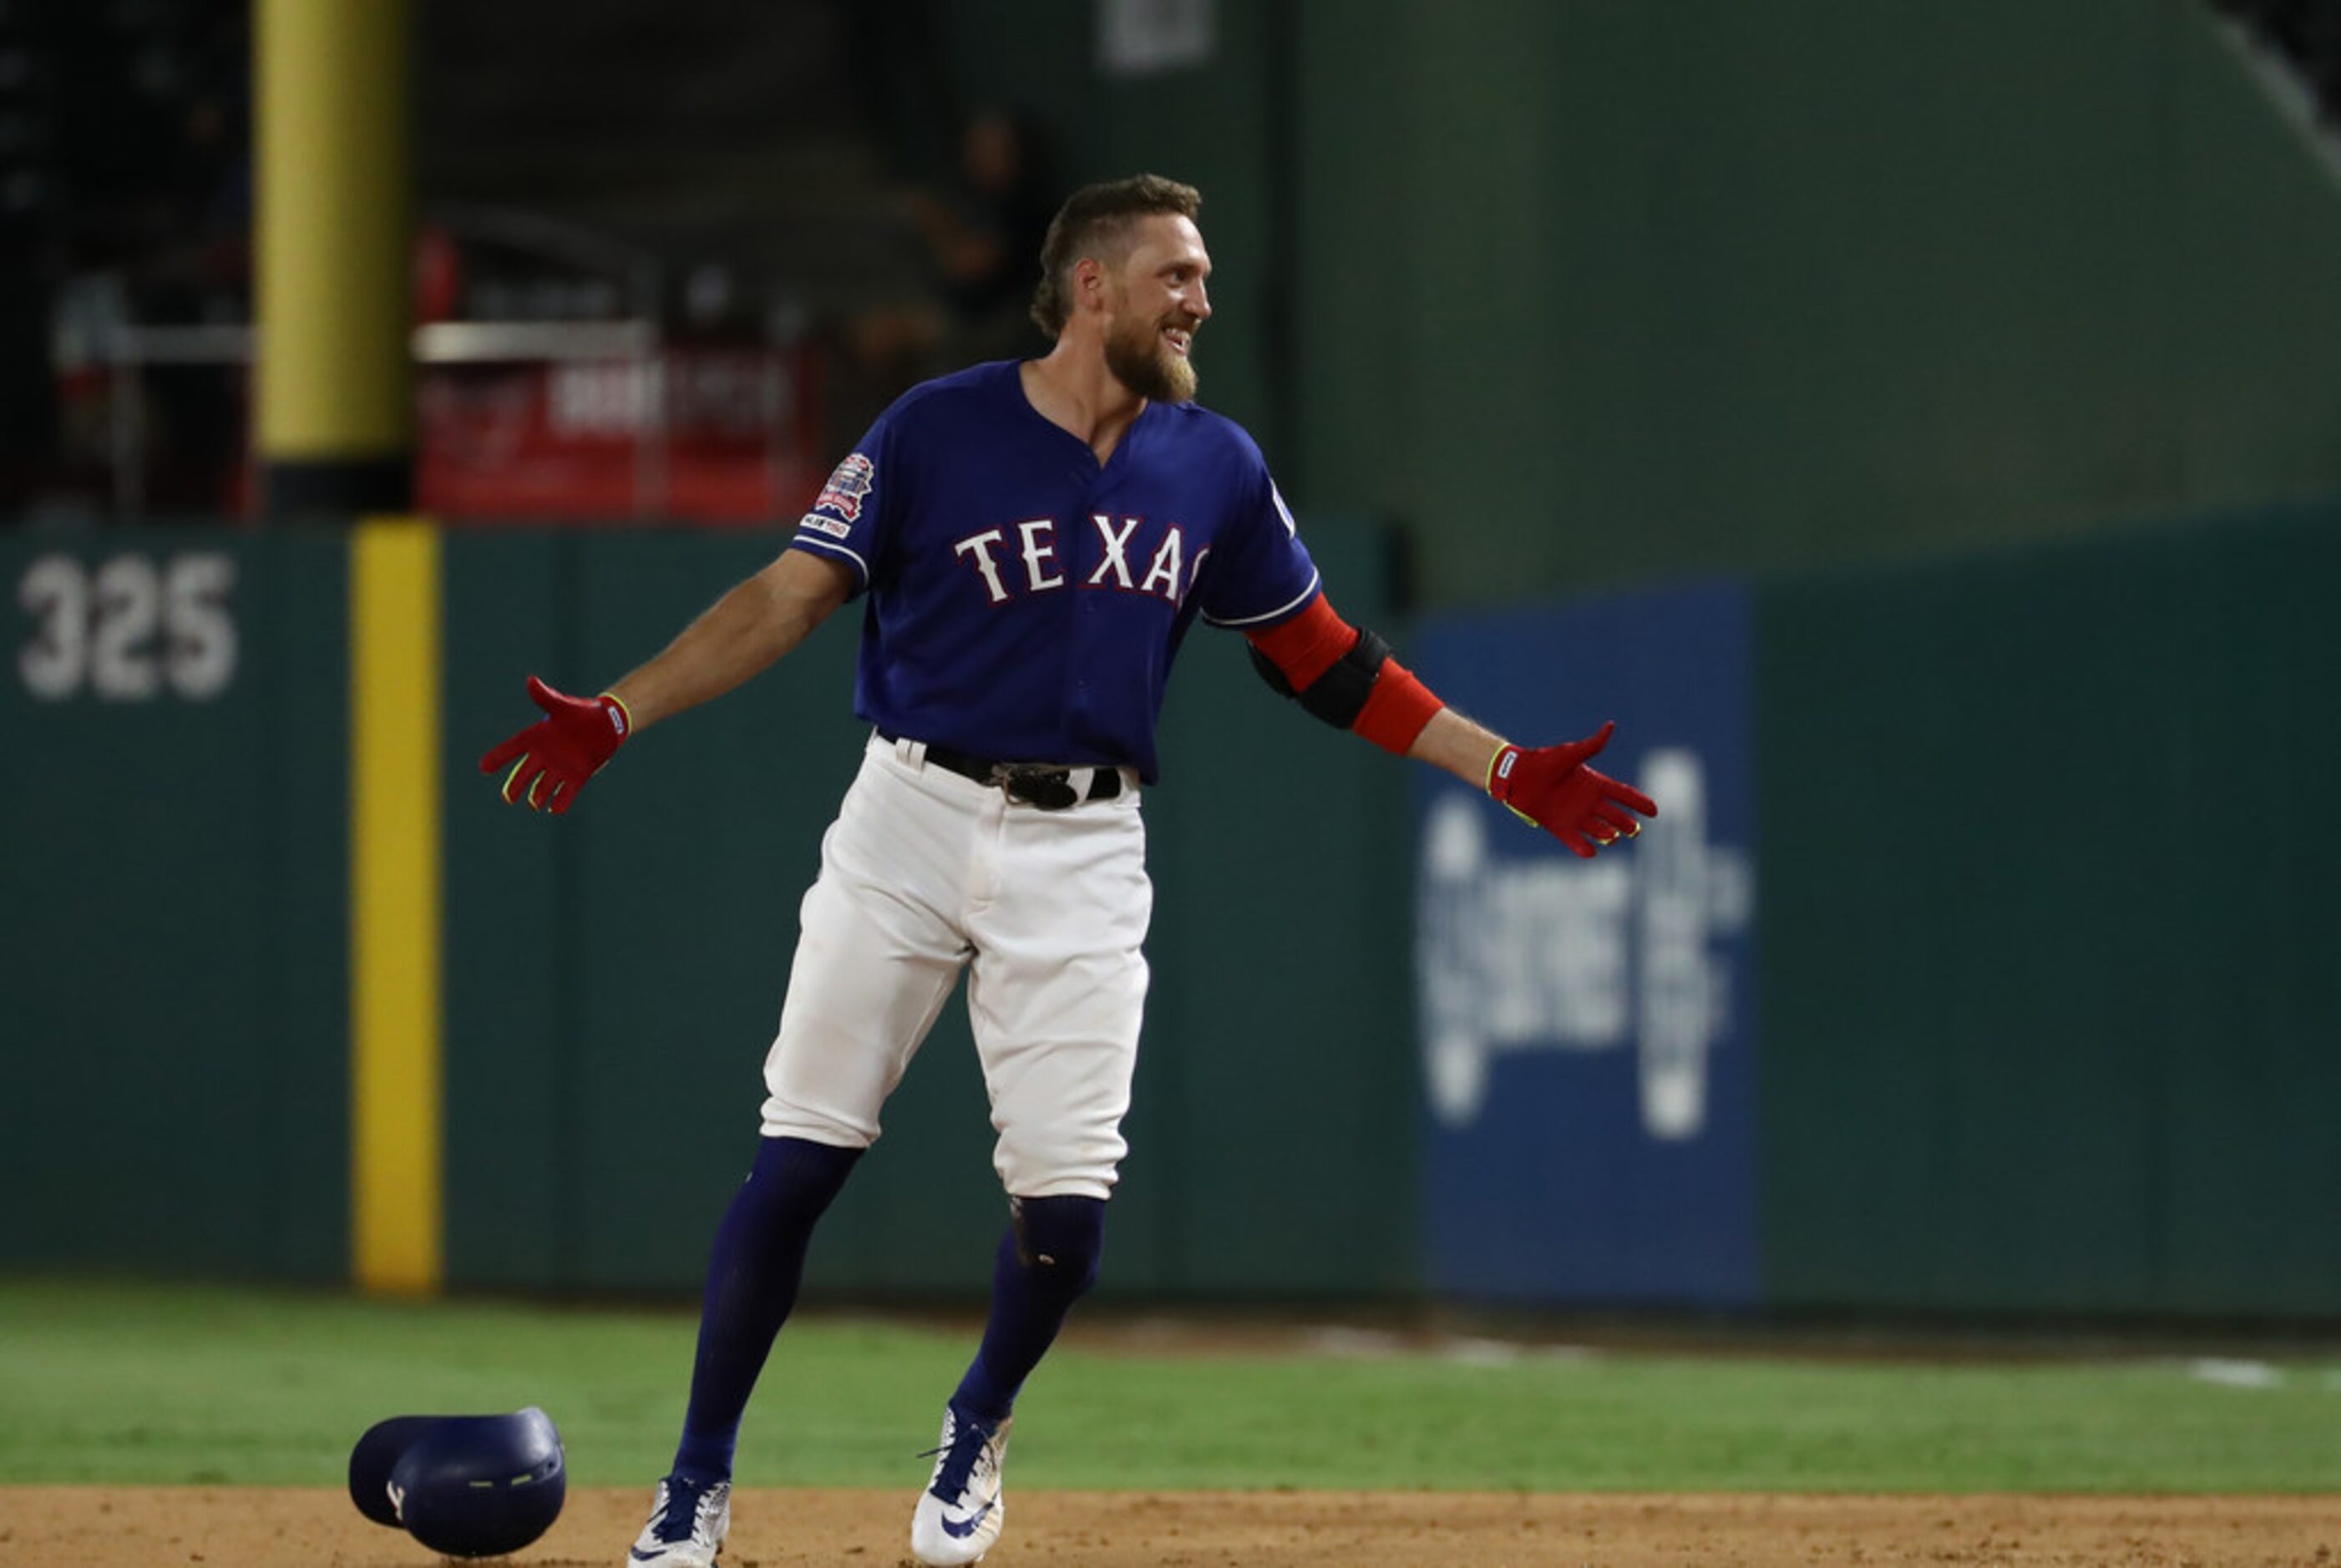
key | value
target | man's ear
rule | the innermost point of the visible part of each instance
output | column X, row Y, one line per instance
column 1092, row 287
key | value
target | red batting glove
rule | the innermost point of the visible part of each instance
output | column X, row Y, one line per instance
column 1552, row 787
column 552, row 758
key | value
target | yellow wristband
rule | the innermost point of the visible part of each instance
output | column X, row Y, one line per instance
column 1488, row 784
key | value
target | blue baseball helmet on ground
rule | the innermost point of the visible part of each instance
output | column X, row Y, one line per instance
column 465, row 1485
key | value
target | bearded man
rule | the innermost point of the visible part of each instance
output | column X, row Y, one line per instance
column 1033, row 541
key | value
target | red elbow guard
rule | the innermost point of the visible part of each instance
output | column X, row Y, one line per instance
column 1308, row 645
column 1371, row 694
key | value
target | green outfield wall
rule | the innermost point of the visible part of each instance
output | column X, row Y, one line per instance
column 1593, row 294
column 173, row 797
column 2044, row 943
column 1585, row 293
column 181, row 922
column 2052, row 966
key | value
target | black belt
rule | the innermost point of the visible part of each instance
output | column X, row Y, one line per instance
column 1043, row 784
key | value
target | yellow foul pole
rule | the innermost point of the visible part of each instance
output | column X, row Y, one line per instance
column 397, row 1085
column 334, row 214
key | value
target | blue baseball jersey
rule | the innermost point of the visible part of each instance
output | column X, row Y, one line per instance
column 1024, row 601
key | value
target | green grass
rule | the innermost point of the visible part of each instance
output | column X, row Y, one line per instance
column 146, row 1384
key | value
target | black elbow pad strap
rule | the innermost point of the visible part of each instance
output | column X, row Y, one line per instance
column 1269, row 671
column 1338, row 695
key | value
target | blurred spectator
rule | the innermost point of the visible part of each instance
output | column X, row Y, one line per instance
column 199, row 266
column 986, row 253
column 124, row 176
column 199, row 273
column 979, row 242
column 438, row 274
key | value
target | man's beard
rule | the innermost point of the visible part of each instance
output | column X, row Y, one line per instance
column 1141, row 361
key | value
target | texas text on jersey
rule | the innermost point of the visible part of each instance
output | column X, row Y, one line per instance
column 1049, row 593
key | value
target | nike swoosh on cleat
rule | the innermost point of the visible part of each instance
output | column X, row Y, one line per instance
column 961, row 1531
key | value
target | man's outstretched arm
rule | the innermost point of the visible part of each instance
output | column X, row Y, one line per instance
column 740, row 635
column 1347, row 678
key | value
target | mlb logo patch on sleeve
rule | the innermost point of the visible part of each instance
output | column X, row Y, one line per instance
column 847, row 489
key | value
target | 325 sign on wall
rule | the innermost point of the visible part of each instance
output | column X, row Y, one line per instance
column 132, row 628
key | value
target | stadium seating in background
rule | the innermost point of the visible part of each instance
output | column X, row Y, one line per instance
column 656, row 246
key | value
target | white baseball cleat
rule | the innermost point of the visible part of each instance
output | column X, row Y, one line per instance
column 688, row 1520
column 960, row 1512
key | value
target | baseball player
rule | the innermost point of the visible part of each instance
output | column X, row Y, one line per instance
column 1032, row 541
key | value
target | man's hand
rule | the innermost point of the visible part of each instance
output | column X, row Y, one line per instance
column 1552, row 787
column 552, row 758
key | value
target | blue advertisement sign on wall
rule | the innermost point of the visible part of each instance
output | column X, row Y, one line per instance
column 1588, row 1034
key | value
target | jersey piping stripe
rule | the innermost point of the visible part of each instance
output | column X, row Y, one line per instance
column 803, row 541
column 1304, row 597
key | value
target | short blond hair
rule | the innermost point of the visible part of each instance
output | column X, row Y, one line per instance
column 1096, row 220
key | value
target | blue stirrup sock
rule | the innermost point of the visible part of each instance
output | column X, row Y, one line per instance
column 752, row 1283
column 1046, row 1261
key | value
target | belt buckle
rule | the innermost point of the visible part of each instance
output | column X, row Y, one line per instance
column 1036, row 784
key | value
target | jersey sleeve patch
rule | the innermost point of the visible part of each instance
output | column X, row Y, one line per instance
column 847, row 489
column 836, row 526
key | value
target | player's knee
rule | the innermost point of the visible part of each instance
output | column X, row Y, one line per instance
column 1059, row 1241
column 797, row 1178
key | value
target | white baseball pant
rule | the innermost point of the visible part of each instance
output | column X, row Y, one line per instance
column 925, row 872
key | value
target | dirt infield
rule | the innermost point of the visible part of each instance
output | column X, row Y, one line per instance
column 159, row 1527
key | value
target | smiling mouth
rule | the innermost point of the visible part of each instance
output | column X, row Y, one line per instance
column 1179, row 338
